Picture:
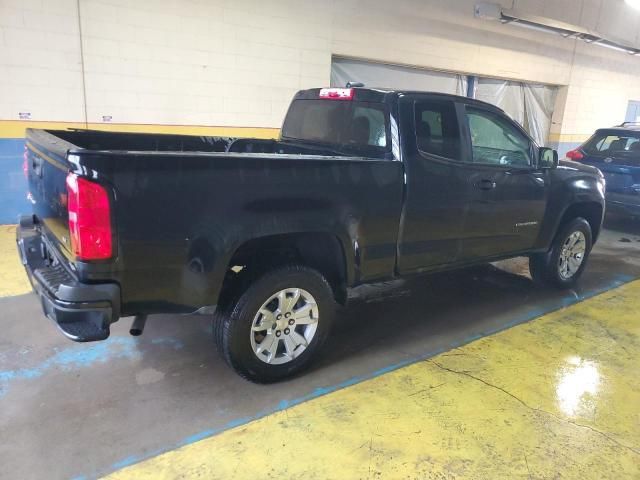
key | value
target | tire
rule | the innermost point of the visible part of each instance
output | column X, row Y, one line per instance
column 547, row 269
column 241, row 345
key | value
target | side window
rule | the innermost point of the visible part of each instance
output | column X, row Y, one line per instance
column 495, row 141
column 437, row 131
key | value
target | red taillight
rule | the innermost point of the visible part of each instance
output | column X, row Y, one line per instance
column 89, row 219
column 575, row 155
column 337, row 93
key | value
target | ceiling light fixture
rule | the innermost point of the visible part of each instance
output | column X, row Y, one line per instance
column 633, row 3
column 495, row 12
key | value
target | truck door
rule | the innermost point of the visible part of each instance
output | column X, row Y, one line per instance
column 507, row 195
column 436, row 182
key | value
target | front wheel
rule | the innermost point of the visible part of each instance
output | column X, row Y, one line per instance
column 564, row 263
column 277, row 325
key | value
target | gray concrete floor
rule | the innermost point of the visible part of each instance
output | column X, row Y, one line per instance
column 69, row 410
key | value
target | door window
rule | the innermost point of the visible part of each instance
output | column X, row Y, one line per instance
column 437, row 131
column 496, row 141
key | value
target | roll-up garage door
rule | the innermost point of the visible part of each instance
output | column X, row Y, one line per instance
column 382, row 75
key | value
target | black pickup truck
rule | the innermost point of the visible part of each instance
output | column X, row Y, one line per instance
column 267, row 236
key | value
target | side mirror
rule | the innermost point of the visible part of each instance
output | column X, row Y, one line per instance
column 548, row 158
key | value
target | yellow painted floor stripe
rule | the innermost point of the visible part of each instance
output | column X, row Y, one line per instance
column 13, row 280
column 558, row 397
column 569, row 137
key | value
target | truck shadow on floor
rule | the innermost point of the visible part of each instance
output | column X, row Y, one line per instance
column 435, row 312
column 431, row 313
column 391, row 319
column 409, row 318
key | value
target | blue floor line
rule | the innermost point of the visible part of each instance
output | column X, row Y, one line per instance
column 83, row 356
column 532, row 314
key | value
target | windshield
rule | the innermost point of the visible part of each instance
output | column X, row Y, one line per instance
column 340, row 123
column 614, row 144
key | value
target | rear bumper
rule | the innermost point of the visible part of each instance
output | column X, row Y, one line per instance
column 83, row 312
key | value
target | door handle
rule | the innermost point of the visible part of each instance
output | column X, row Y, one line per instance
column 486, row 184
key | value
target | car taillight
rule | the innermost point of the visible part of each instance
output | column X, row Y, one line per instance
column 89, row 219
column 337, row 93
column 575, row 155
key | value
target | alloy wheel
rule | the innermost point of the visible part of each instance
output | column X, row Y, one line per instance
column 284, row 326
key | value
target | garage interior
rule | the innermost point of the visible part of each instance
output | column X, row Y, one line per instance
column 474, row 373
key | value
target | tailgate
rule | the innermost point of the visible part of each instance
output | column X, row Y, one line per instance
column 47, row 168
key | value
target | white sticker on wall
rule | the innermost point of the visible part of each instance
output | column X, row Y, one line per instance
column 107, row 118
column 24, row 115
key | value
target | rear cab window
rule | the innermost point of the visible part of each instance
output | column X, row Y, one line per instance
column 355, row 127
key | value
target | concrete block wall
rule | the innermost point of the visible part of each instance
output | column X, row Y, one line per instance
column 238, row 62
column 40, row 62
column 231, row 66
column 235, row 63
column 41, row 74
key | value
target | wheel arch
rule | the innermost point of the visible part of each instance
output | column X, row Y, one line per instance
column 322, row 251
column 591, row 211
column 555, row 219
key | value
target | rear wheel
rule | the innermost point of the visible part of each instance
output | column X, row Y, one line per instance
column 564, row 263
column 277, row 325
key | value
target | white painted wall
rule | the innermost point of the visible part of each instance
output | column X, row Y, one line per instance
column 40, row 63
column 238, row 62
column 210, row 63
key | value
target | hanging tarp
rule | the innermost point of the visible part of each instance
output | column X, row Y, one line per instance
column 539, row 101
column 381, row 75
column 528, row 104
column 506, row 95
